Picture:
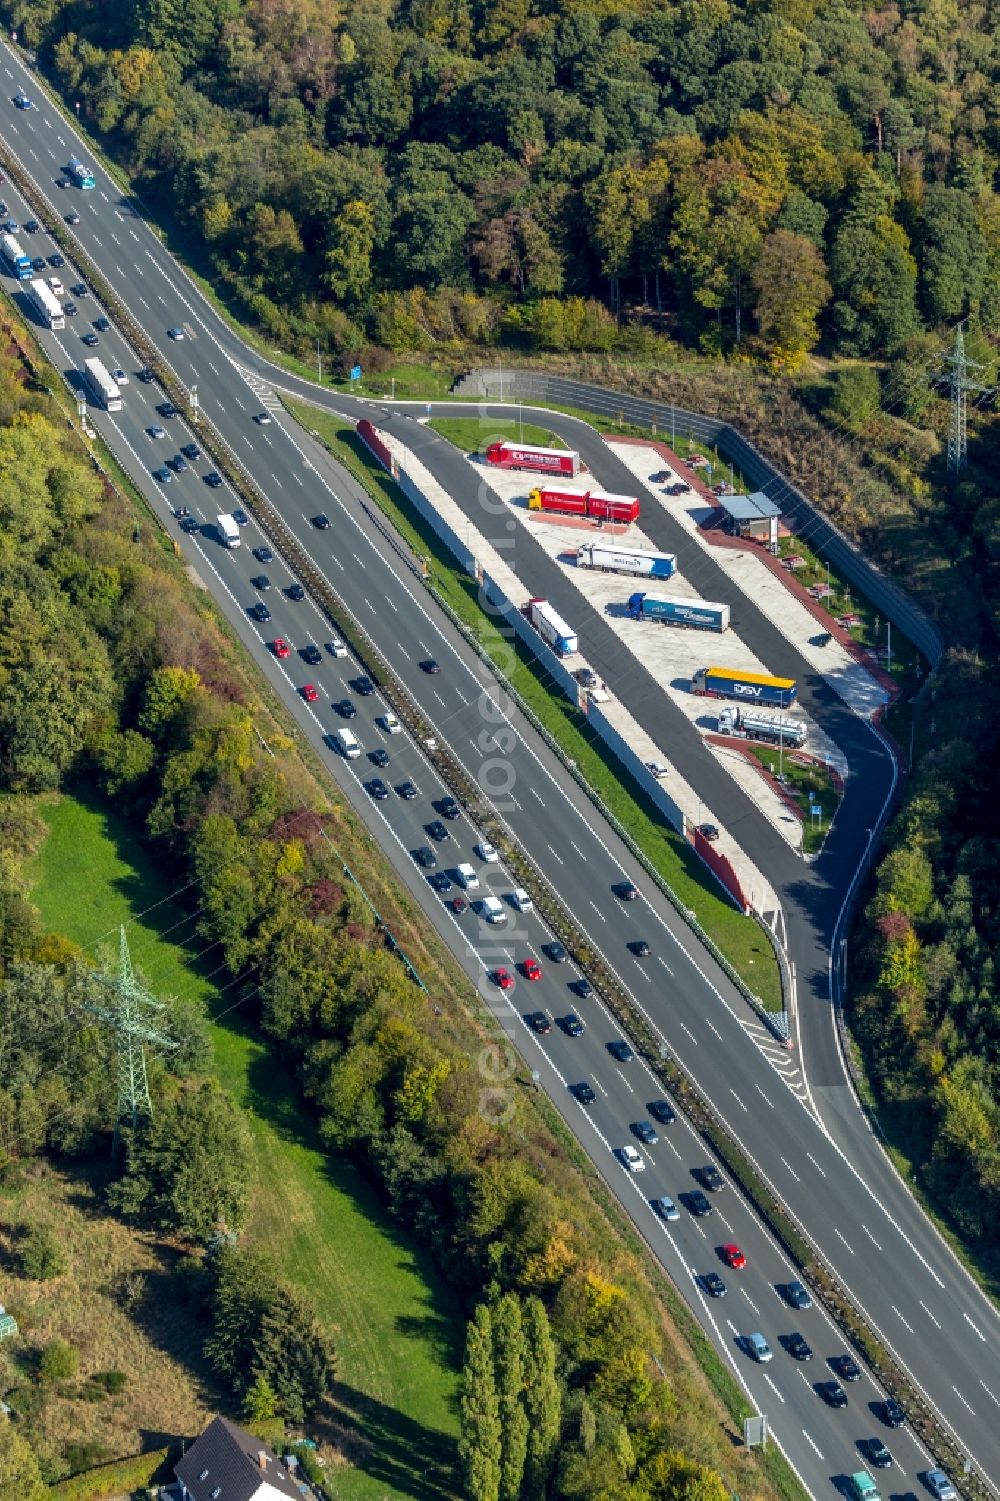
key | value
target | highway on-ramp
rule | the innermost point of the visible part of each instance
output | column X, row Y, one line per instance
column 844, row 1193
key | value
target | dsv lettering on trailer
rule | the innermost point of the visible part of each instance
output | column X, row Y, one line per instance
column 746, row 690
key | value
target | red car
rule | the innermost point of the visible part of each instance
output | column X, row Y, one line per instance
column 531, row 969
column 309, row 693
column 733, row 1256
column 458, row 904
column 279, row 647
column 503, row 978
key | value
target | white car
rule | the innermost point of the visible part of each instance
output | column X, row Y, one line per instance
column 263, row 418
column 390, row 723
column 119, row 377
column 632, row 1159
column 175, row 333
column 487, row 854
column 521, row 900
column 759, row 1348
column 336, row 648
column 56, row 287
column 657, row 768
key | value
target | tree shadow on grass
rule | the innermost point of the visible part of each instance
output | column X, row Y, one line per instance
column 414, row 1460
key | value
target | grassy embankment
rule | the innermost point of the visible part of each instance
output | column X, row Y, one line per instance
column 809, row 785
column 739, row 938
column 395, row 1331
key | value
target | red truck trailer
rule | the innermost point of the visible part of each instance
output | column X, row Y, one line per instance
column 596, row 504
column 545, row 460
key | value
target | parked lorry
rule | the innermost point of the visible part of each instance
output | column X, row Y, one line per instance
column 634, row 560
column 753, row 687
column 757, row 724
column 18, row 263
column 551, row 627
column 524, row 456
column 698, row 614
column 598, row 505
column 229, row 532
column 46, row 305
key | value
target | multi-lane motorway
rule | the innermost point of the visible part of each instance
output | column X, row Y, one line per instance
column 842, row 1190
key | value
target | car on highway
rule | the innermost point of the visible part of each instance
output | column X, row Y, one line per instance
column 121, row 379
column 178, row 464
column 540, row 1023
column 440, row 880
column 156, row 431
column 876, row 1453
column 713, row 1284
column 584, row 1092
column 621, row 1050
column 69, row 308
column 294, row 591
column 176, row 334
column 733, row 1256
column 448, row 807
column 379, row 757
column 261, row 581
column 795, row 1295
column 632, row 1159
column 798, row 1347
column 520, row 899
column 646, row 1131
column 240, row 516
column 627, row 891
column 336, row 647
column 31, row 226
column 487, row 854
column 939, row 1485
column 661, row 1111
column 310, row 692
column 80, row 290
column 260, row 612
column 665, row 1207
column 191, row 451
column 503, row 978
column 425, row 856
column 23, row 101
column 10, row 226
column 389, row 723
column 91, row 340
column 890, row 1413
column 345, row 709
column 190, row 524
column 311, row 654
column 213, row 480
column 72, row 217
column 846, row 1368
column 57, row 261
column 321, row 522
column 833, row 1393
column 38, row 264
column 429, row 664
column 145, row 375
column 708, row 831
column 163, row 476
column 263, row 554
column 407, row 791
column 280, row 646
column 458, row 904
column 698, row 1203
column 437, row 830
column 572, row 1025
column 531, row 969
column 379, row 790
column 165, row 408
column 582, row 987
column 640, row 948
column 263, row 418
column 363, row 685
column 553, row 951
column 709, row 1177
column 758, row 1347
column 102, row 324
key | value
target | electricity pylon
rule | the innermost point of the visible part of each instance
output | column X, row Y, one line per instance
column 959, row 374
column 125, row 1016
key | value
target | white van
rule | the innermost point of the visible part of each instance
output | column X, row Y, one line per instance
column 521, row 900
column 347, row 744
column 467, row 877
column 390, row 723
column 492, row 909
column 55, row 286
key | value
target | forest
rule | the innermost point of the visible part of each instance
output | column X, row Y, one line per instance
column 761, row 176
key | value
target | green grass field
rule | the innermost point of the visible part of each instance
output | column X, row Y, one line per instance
column 396, row 1336
column 810, row 786
column 471, row 435
column 739, row 938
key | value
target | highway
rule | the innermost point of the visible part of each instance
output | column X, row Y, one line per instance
column 843, row 1192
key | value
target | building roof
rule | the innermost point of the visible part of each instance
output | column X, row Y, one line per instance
column 224, row 1464
column 754, row 507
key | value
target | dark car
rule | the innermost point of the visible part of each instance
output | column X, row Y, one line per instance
column 378, row 789
column 38, row 264
column 58, row 262
column 441, row 881
column 263, row 555
column 191, row 451
column 713, row 1285
column 80, row 290
column 540, row 1023
column 213, row 480
column 640, row 948
column 72, row 217
column 833, row 1393
column 364, row 686
column 709, row 1177
column 583, row 988
column 572, row 1025
column 890, row 1412
column 295, row 591
column 69, row 308
column 798, row 1348
column 430, row 665
column 165, row 408
column 407, row 791
column 554, row 951
column 145, row 375
column 621, row 1050
column 260, row 612
column 163, row 475
column 626, row 891
column 437, row 830
column 102, row 324
column 698, row 1204
column 261, row 581
column 448, row 808
column 583, row 1092
column 425, row 856
column 240, row 516
column 708, row 831
column 379, row 757
column 190, row 524
column 846, row 1368
column 179, row 465
column 661, row 1111
column 646, row 1131
column 876, row 1453
column 346, row 709
column 795, row 1295
column 321, row 522
column 32, row 226
column 311, row 654
column 91, row 340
